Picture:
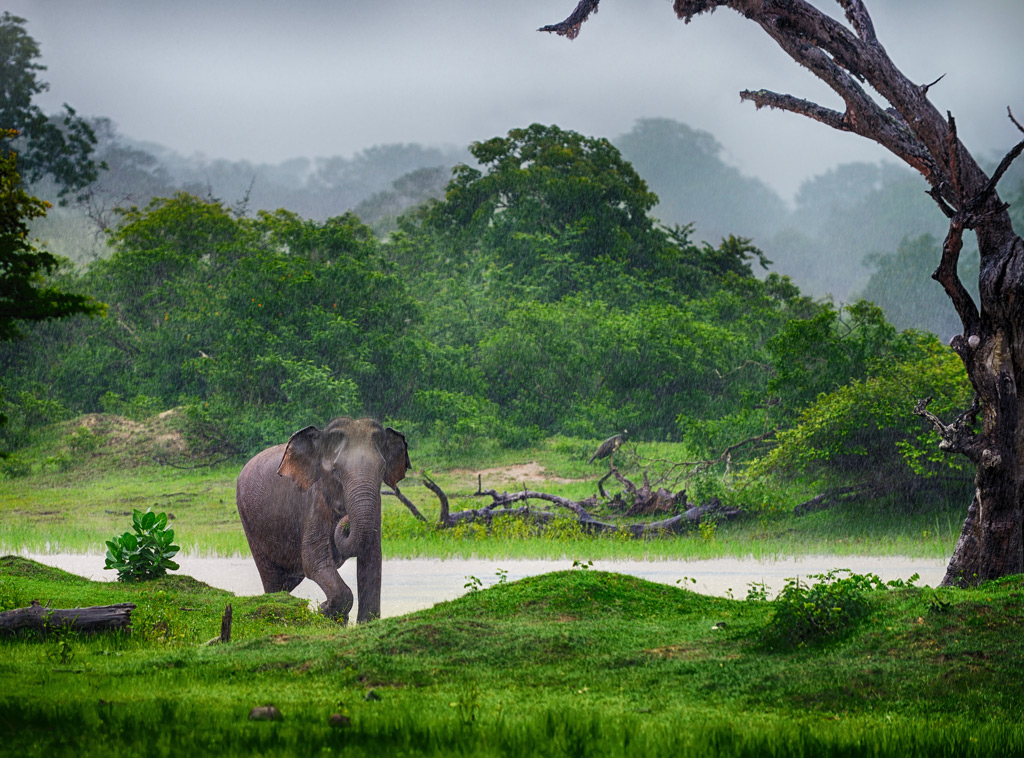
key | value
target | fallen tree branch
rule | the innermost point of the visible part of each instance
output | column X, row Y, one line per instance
column 501, row 505
column 832, row 497
column 407, row 503
column 95, row 618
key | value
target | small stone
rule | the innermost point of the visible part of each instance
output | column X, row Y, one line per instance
column 339, row 719
column 371, row 695
column 265, row 713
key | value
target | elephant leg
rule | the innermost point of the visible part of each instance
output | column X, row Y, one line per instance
column 368, row 575
column 276, row 579
column 339, row 597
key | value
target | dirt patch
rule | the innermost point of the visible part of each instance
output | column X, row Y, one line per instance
column 519, row 472
column 134, row 442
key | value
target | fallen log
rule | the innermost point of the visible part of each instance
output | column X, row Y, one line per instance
column 501, row 505
column 96, row 618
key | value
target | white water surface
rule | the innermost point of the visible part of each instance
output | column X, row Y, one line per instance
column 414, row 584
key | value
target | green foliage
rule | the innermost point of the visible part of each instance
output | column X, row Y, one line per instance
column 259, row 326
column 818, row 611
column 546, row 200
column 537, row 297
column 59, row 146
column 11, row 596
column 139, row 408
column 146, row 552
column 25, row 295
column 867, row 428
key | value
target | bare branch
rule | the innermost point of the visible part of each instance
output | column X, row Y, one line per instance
column 926, row 87
column 443, row 498
column 1004, row 164
column 859, row 19
column 1015, row 121
column 946, row 275
column 958, row 436
column 571, row 26
column 763, row 98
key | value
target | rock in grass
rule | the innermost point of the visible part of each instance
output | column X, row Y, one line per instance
column 339, row 719
column 371, row 695
column 265, row 713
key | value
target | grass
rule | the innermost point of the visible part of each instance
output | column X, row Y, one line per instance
column 580, row 663
column 77, row 511
column 75, row 508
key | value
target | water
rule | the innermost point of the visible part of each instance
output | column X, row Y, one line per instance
column 414, row 584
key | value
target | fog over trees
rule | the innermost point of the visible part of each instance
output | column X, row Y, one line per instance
column 837, row 239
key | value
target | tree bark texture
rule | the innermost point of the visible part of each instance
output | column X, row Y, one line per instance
column 848, row 56
column 95, row 618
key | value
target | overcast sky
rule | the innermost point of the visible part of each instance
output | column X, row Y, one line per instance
column 267, row 80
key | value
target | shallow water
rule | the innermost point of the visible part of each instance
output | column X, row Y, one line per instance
column 414, row 584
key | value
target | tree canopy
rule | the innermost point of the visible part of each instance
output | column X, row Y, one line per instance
column 25, row 295
column 61, row 146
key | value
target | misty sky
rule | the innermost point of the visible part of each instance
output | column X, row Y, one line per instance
column 266, row 80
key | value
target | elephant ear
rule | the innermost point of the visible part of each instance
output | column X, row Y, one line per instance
column 301, row 462
column 396, row 457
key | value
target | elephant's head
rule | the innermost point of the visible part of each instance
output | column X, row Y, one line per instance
column 351, row 458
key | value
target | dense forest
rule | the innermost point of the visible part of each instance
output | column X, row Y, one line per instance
column 538, row 284
column 846, row 234
column 536, row 295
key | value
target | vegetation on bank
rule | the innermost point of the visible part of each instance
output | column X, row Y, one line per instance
column 79, row 494
column 580, row 663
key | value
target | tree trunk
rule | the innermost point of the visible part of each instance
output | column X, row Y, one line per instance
column 846, row 56
column 92, row 619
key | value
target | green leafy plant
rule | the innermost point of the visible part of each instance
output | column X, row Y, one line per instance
column 147, row 553
column 827, row 609
column 64, row 638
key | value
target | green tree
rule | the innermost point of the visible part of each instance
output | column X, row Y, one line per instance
column 58, row 146
column 25, row 294
column 551, row 206
column 864, row 432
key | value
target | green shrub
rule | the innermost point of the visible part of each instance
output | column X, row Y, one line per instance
column 139, row 408
column 14, row 467
column 147, row 553
column 807, row 613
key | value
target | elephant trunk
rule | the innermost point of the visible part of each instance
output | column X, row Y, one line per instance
column 362, row 541
column 360, row 531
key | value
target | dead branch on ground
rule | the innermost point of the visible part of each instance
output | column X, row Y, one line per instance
column 94, row 618
column 502, row 503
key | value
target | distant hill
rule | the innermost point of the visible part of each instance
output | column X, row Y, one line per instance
column 848, row 231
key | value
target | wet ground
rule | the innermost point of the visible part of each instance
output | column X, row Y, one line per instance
column 411, row 585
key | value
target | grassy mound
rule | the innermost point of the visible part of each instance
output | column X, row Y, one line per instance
column 579, row 662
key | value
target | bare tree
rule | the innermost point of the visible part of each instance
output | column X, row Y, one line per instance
column 847, row 56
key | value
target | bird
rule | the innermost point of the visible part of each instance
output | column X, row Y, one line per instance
column 609, row 446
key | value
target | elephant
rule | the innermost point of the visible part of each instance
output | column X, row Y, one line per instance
column 311, row 504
